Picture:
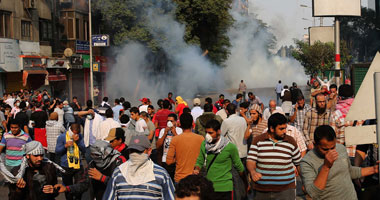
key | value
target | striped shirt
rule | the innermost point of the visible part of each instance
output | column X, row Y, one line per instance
column 161, row 188
column 14, row 151
column 259, row 128
column 274, row 161
column 53, row 130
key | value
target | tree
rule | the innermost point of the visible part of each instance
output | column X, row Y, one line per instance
column 362, row 34
column 206, row 24
column 319, row 56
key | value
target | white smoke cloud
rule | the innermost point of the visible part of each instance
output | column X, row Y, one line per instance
column 250, row 60
column 191, row 73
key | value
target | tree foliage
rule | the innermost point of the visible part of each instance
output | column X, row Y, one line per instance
column 206, row 23
column 362, row 34
column 319, row 56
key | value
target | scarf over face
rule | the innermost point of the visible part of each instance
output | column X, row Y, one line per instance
column 102, row 154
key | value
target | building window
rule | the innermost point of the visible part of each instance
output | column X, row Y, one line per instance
column 26, row 29
column 85, row 30
column 46, row 31
column 68, row 18
column 77, row 29
column 5, row 24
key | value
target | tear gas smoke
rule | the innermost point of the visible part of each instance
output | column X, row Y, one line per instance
column 192, row 73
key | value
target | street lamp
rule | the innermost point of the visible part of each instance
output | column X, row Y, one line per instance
column 309, row 20
column 320, row 19
column 91, row 70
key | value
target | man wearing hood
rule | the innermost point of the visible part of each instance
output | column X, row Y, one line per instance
column 139, row 177
column 220, row 155
column 202, row 120
column 40, row 179
column 104, row 161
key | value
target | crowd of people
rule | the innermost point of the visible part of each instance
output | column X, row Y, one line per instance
column 228, row 149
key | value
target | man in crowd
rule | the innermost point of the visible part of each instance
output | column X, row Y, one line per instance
column 184, row 149
column 278, row 90
column 162, row 115
column 53, row 130
column 22, row 117
column 274, row 173
column 59, row 110
column 140, row 124
column 13, row 142
column 222, row 112
column 164, row 139
column 295, row 92
column 297, row 115
column 253, row 99
column 234, row 128
column 220, row 102
column 69, row 148
column 315, row 89
column 75, row 104
column 139, row 177
column 194, row 187
column 196, row 111
column 272, row 107
column 326, row 171
column 116, row 109
column 145, row 103
column 220, row 156
column 40, row 178
column 256, row 124
column 107, row 125
column 68, row 117
column 332, row 97
column 238, row 100
column 315, row 117
column 242, row 89
column 170, row 99
column 204, row 118
column 105, row 159
column 116, row 138
column 243, row 111
column 105, row 103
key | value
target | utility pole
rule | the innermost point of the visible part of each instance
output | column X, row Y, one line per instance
column 376, row 78
column 91, row 72
column 337, row 50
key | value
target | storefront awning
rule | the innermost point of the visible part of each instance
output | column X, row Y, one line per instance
column 28, row 72
column 54, row 77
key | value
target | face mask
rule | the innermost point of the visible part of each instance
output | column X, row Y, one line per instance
column 209, row 138
column 89, row 117
column 17, row 104
column 325, row 80
column 138, row 157
column 169, row 124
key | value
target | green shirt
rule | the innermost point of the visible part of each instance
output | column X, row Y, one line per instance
column 220, row 171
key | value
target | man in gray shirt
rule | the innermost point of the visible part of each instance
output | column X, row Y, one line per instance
column 326, row 170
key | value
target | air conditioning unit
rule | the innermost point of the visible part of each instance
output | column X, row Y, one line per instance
column 30, row 4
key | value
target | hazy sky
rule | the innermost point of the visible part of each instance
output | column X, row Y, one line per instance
column 285, row 17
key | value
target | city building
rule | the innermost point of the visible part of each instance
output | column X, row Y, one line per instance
column 44, row 44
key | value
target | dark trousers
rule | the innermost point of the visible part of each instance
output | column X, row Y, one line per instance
column 224, row 195
column 71, row 177
column 289, row 194
column 170, row 169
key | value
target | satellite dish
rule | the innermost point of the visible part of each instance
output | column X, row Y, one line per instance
column 68, row 52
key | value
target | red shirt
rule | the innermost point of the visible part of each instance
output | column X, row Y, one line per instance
column 170, row 100
column 161, row 117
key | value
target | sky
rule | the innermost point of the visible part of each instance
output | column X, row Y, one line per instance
column 285, row 18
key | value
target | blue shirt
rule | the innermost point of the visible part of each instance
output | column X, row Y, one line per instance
column 116, row 111
column 161, row 188
column 61, row 151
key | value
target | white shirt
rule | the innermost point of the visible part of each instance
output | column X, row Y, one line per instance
column 234, row 129
column 105, row 127
column 196, row 112
column 168, row 139
column 10, row 101
column 297, row 136
column 143, row 108
column 222, row 113
column 60, row 113
column 141, row 125
column 267, row 112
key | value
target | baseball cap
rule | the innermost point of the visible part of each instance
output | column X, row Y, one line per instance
column 139, row 142
column 144, row 100
column 197, row 101
column 115, row 133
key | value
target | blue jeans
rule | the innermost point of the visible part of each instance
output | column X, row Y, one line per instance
column 278, row 98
